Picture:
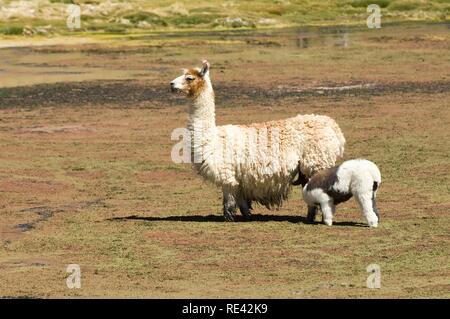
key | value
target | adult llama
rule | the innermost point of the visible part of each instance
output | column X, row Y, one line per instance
column 255, row 162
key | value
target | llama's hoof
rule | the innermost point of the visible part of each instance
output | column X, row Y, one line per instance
column 229, row 217
column 311, row 216
column 328, row 222
column 373, row 222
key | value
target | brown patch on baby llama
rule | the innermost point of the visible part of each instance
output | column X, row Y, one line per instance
column 326, row 179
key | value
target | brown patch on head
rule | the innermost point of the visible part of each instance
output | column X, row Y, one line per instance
column 195, row 82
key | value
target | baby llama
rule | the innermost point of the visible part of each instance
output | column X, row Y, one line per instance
column 327, row 188
column 255, row 162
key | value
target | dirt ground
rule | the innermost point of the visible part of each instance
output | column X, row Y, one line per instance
column 86, row 176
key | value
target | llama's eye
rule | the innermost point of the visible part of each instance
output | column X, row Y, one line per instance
column 189, row 78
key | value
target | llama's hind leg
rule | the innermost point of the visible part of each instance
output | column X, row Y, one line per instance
column 327, row 209
column 245, row 206
column 374, row 206
column 229, row 205
column 366, row 204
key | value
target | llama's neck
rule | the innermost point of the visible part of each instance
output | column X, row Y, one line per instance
column 202, row 125
column 202, row 112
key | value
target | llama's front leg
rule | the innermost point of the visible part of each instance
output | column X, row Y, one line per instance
column 327, row 209
column 312, row 212
column 366, row 204
column 229, row 205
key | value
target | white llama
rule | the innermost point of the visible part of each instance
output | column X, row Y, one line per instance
column 327, row 188
column 255, row 162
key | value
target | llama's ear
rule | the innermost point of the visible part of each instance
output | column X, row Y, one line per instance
column 205, row 68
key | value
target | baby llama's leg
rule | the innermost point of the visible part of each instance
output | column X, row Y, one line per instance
column 327, row 212
column 229, row 204
column 312, row 212
column 366, row 204
column 374, row 205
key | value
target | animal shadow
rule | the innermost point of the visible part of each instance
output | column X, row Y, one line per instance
column 239, row 219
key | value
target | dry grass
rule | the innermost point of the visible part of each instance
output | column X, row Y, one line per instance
column 89, row 180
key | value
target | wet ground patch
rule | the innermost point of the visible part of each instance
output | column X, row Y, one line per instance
column 43, row 213
column 131, row 94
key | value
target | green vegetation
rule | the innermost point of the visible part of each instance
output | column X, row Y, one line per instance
column 407, row 5
column 137, row 15
column 11, row 30
column 63, row 1
column 151, row 18
column 365, row 3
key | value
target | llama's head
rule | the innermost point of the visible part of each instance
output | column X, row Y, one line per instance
column 193, row 81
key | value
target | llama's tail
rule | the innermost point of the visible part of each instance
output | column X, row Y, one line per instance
column 374, row 202
column 376, row 175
